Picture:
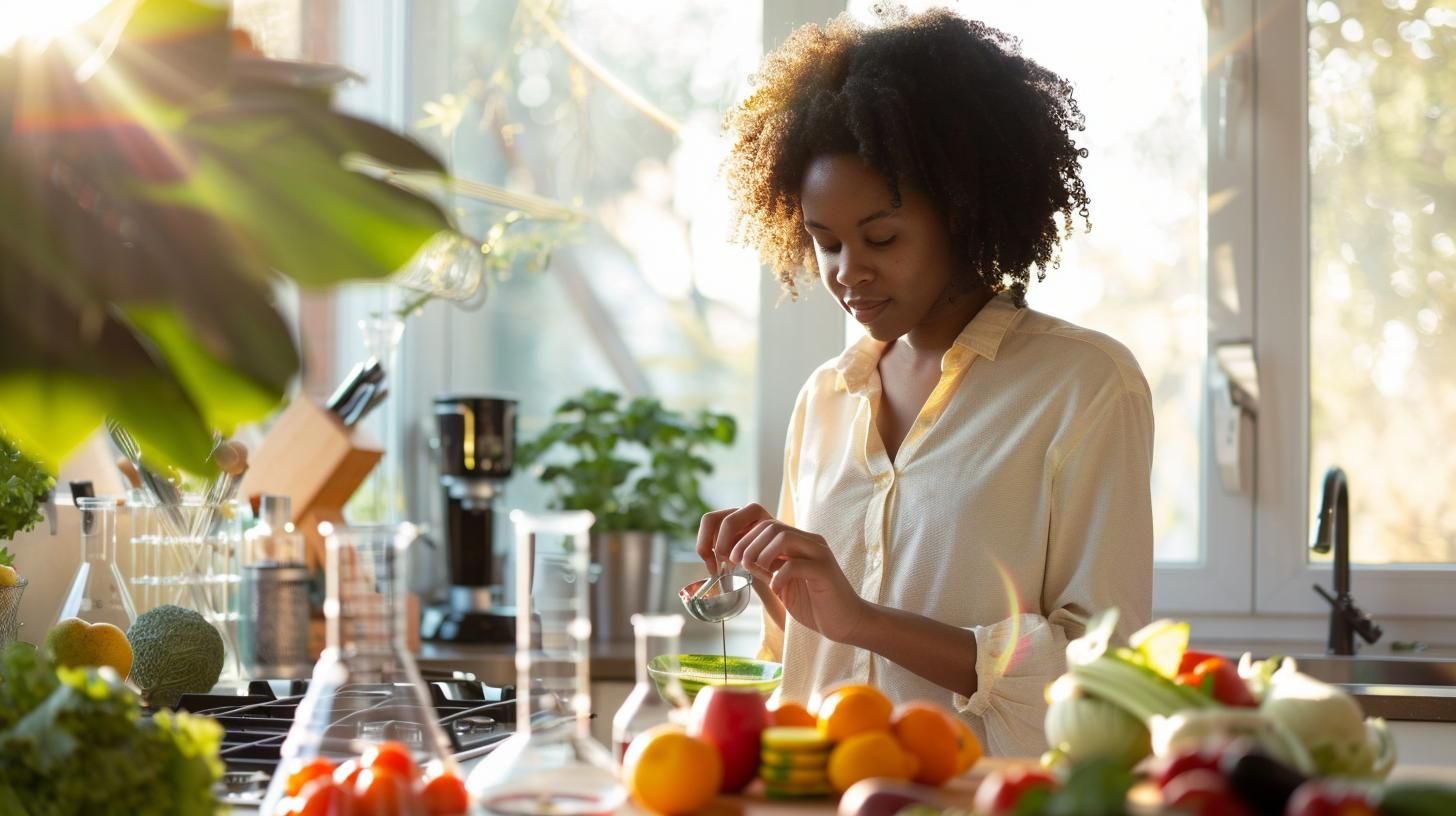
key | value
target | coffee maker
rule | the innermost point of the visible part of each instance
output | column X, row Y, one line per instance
column 477, row 453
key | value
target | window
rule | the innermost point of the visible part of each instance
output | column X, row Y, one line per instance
column 1382, row 243
column 648, row 297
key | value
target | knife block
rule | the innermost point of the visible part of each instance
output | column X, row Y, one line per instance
column 309, row 456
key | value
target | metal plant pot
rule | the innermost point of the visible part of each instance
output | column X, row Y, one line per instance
column 629, row 574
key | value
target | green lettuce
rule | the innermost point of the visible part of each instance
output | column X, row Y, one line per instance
column 74, row 741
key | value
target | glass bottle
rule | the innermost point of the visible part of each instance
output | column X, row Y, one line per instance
column 382, row 499
column 98, row 593
column 551, row 765
column 274, row 637
column 652, row 703
column 365, row 687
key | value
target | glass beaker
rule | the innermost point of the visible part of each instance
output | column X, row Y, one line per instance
column 365, row 688
column 98, row 593
column 652, row 703
column 551, row 765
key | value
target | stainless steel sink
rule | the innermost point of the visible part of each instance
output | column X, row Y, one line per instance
column 1396, row 688
column 1379, row 671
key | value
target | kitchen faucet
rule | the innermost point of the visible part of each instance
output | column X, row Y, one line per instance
column 1332, row 531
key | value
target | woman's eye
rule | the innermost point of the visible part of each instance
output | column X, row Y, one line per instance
column 883, row 243
column 829, row 249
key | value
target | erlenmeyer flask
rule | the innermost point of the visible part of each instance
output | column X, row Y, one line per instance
column 366, row 690
column 652, row 703
column 98, row 593
column 551, row 765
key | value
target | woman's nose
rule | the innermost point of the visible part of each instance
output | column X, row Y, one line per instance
column 851, row 272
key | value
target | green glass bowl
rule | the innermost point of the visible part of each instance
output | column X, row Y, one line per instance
column 698, row 671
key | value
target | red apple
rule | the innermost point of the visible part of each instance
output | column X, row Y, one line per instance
column 731, row 721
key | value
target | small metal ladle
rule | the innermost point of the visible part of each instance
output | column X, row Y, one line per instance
column 718, row 597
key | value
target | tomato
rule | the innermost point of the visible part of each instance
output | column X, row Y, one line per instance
column 382, row 792
column 314, row 768
column 1002, row 791
column 1219, row 679
column 444, row 796
column 1324, row 798
column 1192, row 658
column 323, row 797
column 1185, row 762
column 1202, row 793
column 392, row 755
column 347, row 773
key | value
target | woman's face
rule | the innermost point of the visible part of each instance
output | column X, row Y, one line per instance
column 890, row 267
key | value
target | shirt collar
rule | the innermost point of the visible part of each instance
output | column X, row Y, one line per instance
column 981, row 337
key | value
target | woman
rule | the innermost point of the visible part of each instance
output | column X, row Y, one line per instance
column 967, row 483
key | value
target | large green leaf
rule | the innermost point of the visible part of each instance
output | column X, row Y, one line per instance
column 313, row 219
column 49, row 414
column 225, row 395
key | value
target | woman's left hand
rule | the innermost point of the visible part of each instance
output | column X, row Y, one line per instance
column 804, row 574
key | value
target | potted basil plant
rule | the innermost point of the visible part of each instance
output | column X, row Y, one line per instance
column 638, row 467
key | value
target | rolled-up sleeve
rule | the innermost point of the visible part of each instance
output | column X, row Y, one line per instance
column 1099, row 555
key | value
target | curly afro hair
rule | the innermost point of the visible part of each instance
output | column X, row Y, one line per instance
column 943, row 103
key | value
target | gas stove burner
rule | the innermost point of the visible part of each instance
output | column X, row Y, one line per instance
column 473, row 715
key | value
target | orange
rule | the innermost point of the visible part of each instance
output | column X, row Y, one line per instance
column 854, row 710
column 927, row 732
column 970, row 747
column 871, row 754
column 669, row 772
column 791, row 714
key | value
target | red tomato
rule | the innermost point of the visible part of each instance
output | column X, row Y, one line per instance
column 1185, row 762
column 444, row 796
column 1000, row 793
column 347, row 773
column 1192, row 658
column 313, row 769
column 1320, row 797
column 1225, row 683
column 392, row 755
column 324, row 797
column 382, row 792
column 1202, row 793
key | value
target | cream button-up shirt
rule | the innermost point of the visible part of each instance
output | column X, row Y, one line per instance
column 1017, row 505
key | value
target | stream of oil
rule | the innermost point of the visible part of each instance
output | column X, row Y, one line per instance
column 723, row 632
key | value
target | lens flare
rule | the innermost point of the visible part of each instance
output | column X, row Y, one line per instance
column 40, row 22
column 1014, row 647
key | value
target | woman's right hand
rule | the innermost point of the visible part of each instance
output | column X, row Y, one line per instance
column 720, row 530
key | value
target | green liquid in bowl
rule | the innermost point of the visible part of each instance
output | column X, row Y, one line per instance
column 698, row 671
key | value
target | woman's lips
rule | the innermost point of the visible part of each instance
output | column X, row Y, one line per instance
column 866, row 310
